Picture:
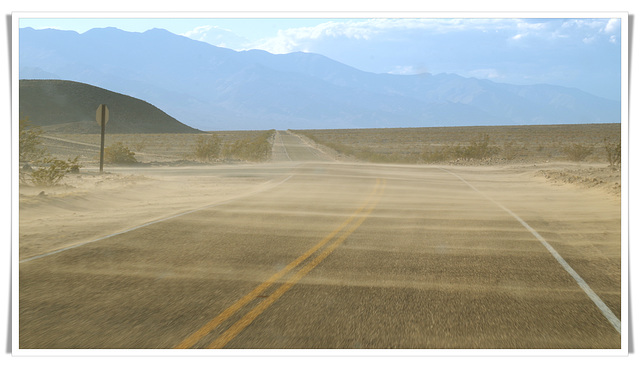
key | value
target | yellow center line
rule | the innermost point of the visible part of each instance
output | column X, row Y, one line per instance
column 248, row 318
column 230, row 311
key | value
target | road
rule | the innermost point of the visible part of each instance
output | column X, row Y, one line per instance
column 293, row 148
column 343, row 256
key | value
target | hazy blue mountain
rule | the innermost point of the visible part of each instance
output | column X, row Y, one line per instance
column 214, row 88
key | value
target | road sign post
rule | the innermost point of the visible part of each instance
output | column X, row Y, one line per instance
column 102, row 116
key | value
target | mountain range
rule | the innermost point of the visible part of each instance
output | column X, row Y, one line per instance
column 213, row 88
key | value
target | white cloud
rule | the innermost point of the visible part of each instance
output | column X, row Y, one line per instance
column 485, row 74
column 558, row 34
column 299, row 39
column 522, row 25
column 217, row 36
column 409, row 70
column 584, row 23
column 198, row 33
column 305, row 38
column 612, row 25
column 589, row 31
column 283, row 43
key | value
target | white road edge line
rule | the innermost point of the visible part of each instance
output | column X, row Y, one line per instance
column 155, row 222
column 615, row 322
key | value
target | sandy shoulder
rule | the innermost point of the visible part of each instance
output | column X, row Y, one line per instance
column 88, row 206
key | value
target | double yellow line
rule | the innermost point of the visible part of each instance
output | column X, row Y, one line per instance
column 351, row 224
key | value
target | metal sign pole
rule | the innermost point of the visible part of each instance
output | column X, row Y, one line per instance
column 102, row 115
column 102, row 124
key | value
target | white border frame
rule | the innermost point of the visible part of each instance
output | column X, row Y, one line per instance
column 624, row 203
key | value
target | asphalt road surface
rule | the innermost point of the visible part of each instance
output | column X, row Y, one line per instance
column 343, row 256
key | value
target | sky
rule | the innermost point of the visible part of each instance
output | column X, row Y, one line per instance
column 583, row 53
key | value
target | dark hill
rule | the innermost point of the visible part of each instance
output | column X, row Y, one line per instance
column 70, row 107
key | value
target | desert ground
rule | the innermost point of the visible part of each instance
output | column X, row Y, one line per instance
column 317, row 248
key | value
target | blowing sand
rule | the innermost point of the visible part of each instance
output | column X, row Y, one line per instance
column 434, row 265
column 423, row 259
column 91, row 205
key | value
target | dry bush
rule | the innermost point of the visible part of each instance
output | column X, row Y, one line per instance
column 140, row 143
column 530, row 143
column 477, row 149
column 365, row 154
column 118, row 153
column 614, row 153
column 29, row 141
column 52, row 170
column 207, row 147
column 49, row 170
column 433, row 155
column 512, row 150
column 577, row 152
column 256, row 149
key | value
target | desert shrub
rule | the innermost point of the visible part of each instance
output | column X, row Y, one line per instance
column 614, row 153
column 367, row 154
column 477, row 149
column 432, row 155
column 29, row 141
column 140, row 143
column 340, row 148
column 511, row 150
column 52, row 170
column 480, row 148
column 118, row 153
column 577, row 152
column 404, row 158
column 207, row 147
column 257, row 149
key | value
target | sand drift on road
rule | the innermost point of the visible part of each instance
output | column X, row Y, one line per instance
column 305, row 252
